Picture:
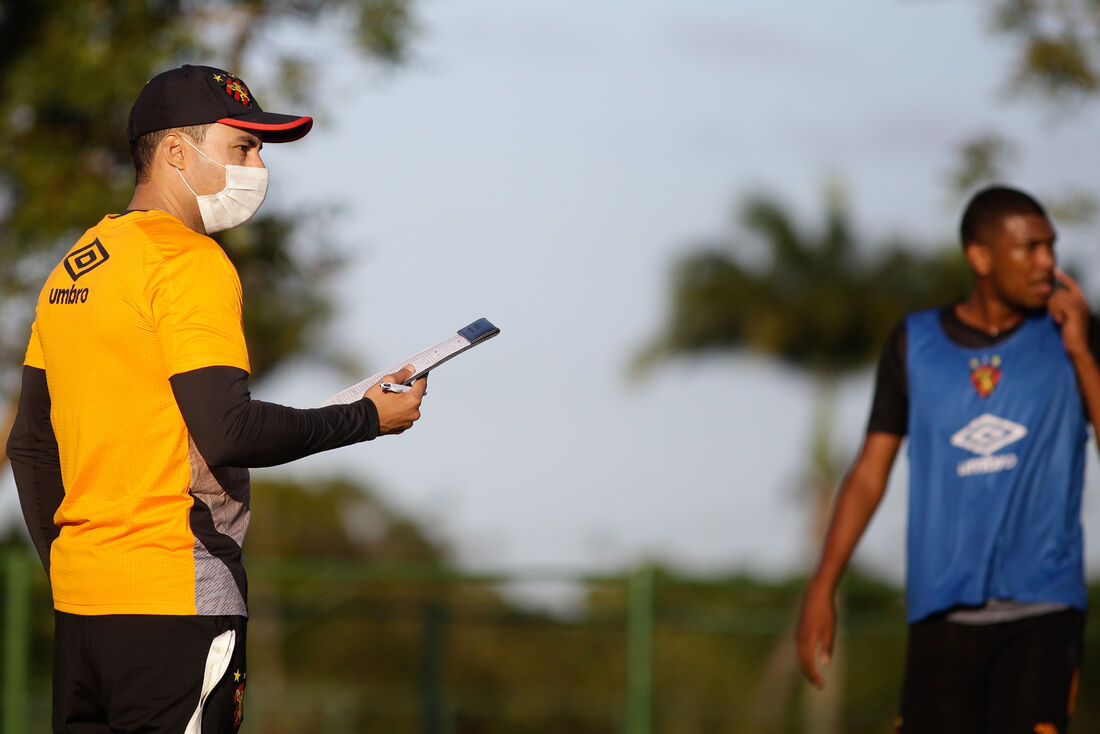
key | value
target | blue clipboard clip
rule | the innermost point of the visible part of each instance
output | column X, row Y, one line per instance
column 479, row 330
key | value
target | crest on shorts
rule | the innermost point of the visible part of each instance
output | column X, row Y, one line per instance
column 985, row 373
column 235, row 88
column 238, row 699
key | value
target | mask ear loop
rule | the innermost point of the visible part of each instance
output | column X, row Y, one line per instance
column 186, row 184
column 204, row 155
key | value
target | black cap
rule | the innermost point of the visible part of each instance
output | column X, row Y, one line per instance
column 199, row 95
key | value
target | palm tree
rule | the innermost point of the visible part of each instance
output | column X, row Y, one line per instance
column 817, row 301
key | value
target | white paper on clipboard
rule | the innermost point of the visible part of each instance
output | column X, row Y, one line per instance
column 422, row 362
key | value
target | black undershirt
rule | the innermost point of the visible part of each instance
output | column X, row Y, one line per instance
column 32, row 451
column 228, row 427
column 231, row 429
column 890, row 407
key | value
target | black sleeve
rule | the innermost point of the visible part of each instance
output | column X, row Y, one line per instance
column 890, row 408
column 32, row 450
column 231, row 429
column 1094, row 337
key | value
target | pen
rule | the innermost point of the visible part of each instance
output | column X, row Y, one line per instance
column 395, row 387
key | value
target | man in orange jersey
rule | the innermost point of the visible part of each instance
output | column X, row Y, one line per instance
column 135, row 424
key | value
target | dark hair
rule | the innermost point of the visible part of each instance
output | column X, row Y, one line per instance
column 990, row 207
column 144, row 147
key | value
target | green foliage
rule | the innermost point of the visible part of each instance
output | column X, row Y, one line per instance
column 332, row 519
column 1057, row 62
column 819, row 302
column 982, row 159
column 1056, row 45
column 69, row 71
column 285, row 298
column 384, row 28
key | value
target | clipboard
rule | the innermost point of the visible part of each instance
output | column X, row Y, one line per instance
column 469, row 336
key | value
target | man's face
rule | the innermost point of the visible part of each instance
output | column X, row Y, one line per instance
column 227, row 145
column 1021, row 261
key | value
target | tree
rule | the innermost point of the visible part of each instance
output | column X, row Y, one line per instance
column 1057, row 63
column 1058, row 55
column 820, row 302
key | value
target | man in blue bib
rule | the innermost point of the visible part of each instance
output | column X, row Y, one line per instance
column 995, row 393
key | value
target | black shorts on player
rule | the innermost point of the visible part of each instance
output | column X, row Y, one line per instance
column 110, row 675
column 1004, row 678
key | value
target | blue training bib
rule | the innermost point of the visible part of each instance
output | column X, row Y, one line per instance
column 997, row 458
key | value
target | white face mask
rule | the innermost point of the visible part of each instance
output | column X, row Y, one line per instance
column 245, row 189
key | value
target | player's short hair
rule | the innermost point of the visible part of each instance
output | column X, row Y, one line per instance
column 143, row 148
column 990, row 207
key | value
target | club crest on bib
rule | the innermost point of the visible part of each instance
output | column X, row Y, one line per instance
column 985, row 373
column 235, row 88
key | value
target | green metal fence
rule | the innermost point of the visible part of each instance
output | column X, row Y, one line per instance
column 352, row 646
column 21, row 572
column 17, row 615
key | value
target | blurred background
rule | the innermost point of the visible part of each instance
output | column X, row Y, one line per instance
column 694, row 224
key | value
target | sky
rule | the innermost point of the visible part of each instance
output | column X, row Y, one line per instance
column 542, row 165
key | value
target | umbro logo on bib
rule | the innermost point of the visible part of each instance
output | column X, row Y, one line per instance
column 985, row 435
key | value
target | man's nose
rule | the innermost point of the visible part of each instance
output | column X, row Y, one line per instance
column 1044, row 257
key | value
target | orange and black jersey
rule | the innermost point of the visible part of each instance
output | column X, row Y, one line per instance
column 135, row 423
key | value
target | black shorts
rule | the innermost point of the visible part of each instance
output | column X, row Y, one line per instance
column 1004, row 678
column 148, row 673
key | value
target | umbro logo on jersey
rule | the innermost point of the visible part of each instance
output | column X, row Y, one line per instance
column 68, row 295
column 86, row 259
column 985, row 435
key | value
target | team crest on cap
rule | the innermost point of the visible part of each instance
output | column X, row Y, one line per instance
column 985, row 373
column 235, row 88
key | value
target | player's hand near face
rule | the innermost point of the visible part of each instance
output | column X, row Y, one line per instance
column 1070, row 310
column 397, row 411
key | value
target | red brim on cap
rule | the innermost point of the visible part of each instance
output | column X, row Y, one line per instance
column 285, row 131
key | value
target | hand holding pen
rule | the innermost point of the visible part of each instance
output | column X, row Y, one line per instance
column 398, row 404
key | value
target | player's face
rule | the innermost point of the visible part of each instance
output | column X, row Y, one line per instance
column 233, row 146
column 1022, row 261
column 228, row 146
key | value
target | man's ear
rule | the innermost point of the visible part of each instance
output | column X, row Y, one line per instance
column 171, row 149
column 979, row 257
